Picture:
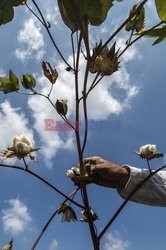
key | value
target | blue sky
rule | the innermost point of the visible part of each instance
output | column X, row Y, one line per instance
column 130, row 108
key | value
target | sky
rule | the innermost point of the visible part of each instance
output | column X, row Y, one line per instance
column 125, row 112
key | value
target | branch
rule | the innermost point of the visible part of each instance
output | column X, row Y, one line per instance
column 122, row 26
column 42, row 180
column 80, row 153
column 85, row 106
column 136, row 39
column 43, row 21
column 126, row 201
column 51, row 218
column 83, row 27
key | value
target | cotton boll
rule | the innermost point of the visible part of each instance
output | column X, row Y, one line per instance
column 15, row 141
column 70, row 173
column 148, row 149
column 26, row 140
column 22, row 148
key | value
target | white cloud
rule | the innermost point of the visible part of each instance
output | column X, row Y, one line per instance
column 13, row 122
column 52, row 141
column 112, row 96
column 31, row 41
column 114, row 242
column 16, row 217
column 53, row 245
column 52, row 15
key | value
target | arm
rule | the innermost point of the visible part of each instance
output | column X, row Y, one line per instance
column 126, row 178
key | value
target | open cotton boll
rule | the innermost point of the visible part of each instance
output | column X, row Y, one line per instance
column 26, row 140
column 148, row 149
column 22, row 148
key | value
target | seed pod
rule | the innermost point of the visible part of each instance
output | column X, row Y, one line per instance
column 105, row 63
column 8, row 246
column 139, row 27
column 49, row 72
column 61, row 107
column 137, row 21
column 68, row 213
column 28, row 81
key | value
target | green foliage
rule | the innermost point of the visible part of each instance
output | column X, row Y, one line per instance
column 159, row 33
column 10, row 84
column 28, row 81
column 8, row 246
column 7, row 10
column 95, row 12
column 161, row 9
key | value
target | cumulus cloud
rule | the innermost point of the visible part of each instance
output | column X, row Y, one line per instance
column 13, row 122
column 52, row 14
column 112, row 96
column 114, row 242
column 53, row 245
column 16, row 217
column 30, row 40
column 52, row 141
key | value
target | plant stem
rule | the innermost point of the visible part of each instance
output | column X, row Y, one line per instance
column 80, row 152
column 150, row 171
column 122, row 25
column 73, row 50
column 50, row 35
column 51, row 218
column 83, row 25
column 127, row 200
column 35, row 14
column 26, row 166
column 44, row 181
column 136, row 39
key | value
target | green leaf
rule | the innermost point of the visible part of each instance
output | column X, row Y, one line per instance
column 7, row 11
column 9, row 85
column 9, row 88
column 2, row 88
column 6, row 15
column 94, row 11
column 97, row 11
column 70, row 23
column 13, row 78
column 4, row 80
column 161, row 9
column 159, row 33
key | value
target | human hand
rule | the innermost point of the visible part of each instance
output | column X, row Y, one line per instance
column 106, row 173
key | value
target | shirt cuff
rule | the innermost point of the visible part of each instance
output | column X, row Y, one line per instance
column 153, row 192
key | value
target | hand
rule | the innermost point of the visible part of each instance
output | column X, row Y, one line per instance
column 106, row 173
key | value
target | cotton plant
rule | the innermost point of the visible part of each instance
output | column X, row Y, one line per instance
column 21, row 148
column 102, row 60
column 149, row 152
